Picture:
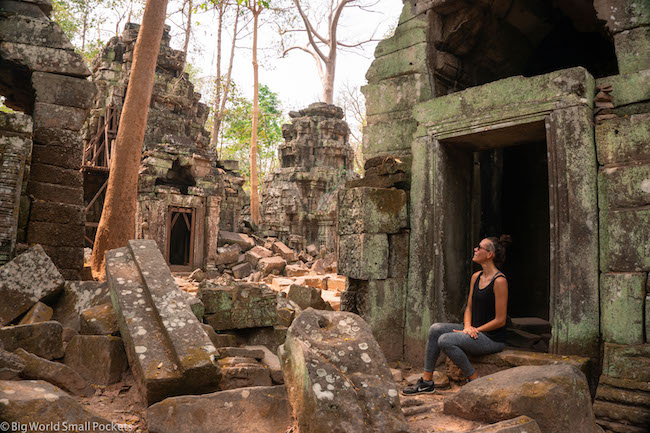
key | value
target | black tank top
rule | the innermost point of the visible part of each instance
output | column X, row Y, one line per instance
column 483, row 309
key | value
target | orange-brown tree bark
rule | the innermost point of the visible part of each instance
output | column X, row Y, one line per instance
column 256, row 9
column 117, row 223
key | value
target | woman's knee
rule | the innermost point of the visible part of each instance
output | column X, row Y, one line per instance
column 436, row 329
column 448, row 340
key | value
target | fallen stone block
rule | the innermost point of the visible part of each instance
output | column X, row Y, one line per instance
column 227, row 255
column 556, row 396
column 312, row 250
column 259, row 409
column 99, row 320
column 195, row 304
column 100, row 359
column 242, row 372
column 221, row 339
column 58, row 374
column 43, row 339
column 243, row 305
column 316, row 281
column 534, row 325
column 319, row 267
column 272, row 362
column 38, row 313
column 168, row 350
column 271, row 265
column 284, row 251
column 271, row 337
column 241, row 239
column 337, row 376
column 27, row 279
column 336, row 283
column 67, row 334
column 197, row 275
column 257, row 253
column 521, row 424
column 78, row 296
column 43, row 404
column 242, row 352
column 295, row 271
column 10, row 365
column 307, row 297
column 242, row 270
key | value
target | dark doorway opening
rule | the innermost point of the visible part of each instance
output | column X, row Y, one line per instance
column 503, row 176
column 180, row 236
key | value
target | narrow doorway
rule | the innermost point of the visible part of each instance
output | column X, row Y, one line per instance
column 180, row 237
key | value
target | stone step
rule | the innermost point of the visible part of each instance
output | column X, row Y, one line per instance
column 534, row 325
column 168, row 350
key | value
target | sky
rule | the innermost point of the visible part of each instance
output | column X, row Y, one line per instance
column 294, row 78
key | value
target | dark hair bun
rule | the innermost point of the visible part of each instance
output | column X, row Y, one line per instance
column 505, row 240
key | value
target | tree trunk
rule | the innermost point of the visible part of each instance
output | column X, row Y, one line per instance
column 328, row 82
column 188, row 31
column 117, row 223
column 217, row 82
column 255, row 203
column 226, row 88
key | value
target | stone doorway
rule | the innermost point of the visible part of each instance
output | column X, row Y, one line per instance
column 180, row 236
column 503, row 175
column 483, row 124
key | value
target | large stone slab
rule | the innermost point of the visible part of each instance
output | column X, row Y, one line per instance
column 99, row 320
column 27, row 279
column 78, row 296
column 168, row 350
column 43, row 339
column 261, row 409
column 10, row 365
column 62, row 90
column 372, row 210
column 231, row 238
column 364, row 256
column 621, row 307
column 38, row 313
column 622, row 405
column 633, row 50
column 630, row 362
column 239, row 306
column 100, row 359
column 56, row 373
column 623, row 139
column 521, row 424
column 45, row 59
column 625, row 240
column 624, row 186
column 243, row 372
column 337, row 377
column 43, row 404
column 556, row 396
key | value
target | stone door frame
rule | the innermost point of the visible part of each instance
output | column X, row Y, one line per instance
column 563, row 102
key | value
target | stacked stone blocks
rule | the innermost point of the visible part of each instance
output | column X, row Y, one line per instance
column 373, row 254
column 52, row 88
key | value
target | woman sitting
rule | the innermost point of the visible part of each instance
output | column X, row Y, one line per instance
column 483, row 331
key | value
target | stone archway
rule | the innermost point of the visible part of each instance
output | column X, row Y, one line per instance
column 495, row 115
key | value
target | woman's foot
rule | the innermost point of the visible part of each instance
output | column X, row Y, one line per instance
column 421, row 387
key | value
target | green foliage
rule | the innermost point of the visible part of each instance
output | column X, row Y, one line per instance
column 3, row 107
column 237, row 130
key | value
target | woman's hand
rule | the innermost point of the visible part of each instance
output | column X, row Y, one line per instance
column 471, row 331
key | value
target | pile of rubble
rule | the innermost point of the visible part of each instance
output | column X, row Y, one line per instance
column 65, row 342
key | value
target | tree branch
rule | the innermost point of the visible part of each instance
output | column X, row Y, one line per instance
column 311, row 32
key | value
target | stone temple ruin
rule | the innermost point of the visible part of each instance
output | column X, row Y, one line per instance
column 525, row 117
column 184, row 196
column 299, row 199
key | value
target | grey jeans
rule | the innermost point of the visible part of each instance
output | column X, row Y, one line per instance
column 457, row 345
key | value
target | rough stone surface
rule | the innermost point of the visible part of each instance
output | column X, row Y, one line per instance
column 41, row 403
column 272, row 362
column 337, row 377
column 242, row 270
column 556, row 396
column 38, row 313
column 372, row 210
column 243, row 372
column 27, row 279
column 623, row 139
column 56, row 373
column 78, row 296
column 258, row 409
column 255, row 254
column 364, row 256
column 284, row 251
column 631, row 362
column 622, row 405
column 100, row 359
column 10, row 365
column 99, row 320
column 622, row 298
column 271, row 265
column 227, row 255
column 42, row 339
column 521, row 424
column 244, row 241
column 307, row 297
column 238, row 306
column 168, row 350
